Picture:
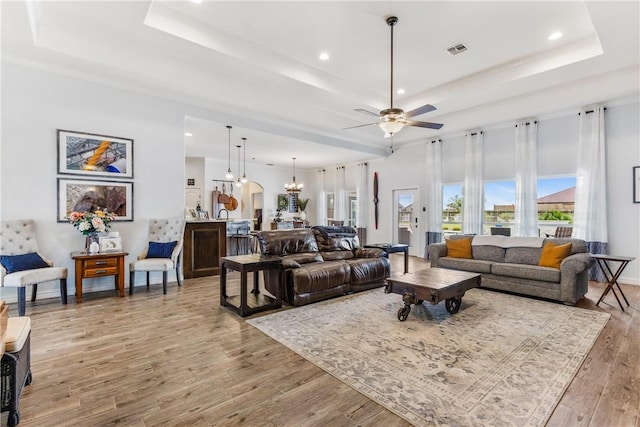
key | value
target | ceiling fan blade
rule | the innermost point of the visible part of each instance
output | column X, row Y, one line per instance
column 362, row 110
column 424, row 124
column 420, row 110
column 359, row 126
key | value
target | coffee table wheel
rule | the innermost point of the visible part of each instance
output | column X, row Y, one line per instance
column 453, row 304
column 403, row 313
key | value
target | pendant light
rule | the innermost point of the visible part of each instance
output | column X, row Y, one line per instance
column 229, row 174
column 294, row 188
column 238, row 182
column 244, row 179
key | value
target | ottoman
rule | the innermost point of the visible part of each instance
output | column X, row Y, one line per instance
column 16, row 365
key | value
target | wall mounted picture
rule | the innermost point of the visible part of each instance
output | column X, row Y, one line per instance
column 283, row 202
column 636, row 184
column 90, row 196
column 94, row 155
column 293, row 203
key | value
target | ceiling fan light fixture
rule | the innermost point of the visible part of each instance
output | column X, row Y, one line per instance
column 391, row 125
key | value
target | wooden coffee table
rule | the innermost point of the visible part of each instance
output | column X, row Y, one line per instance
column 434, row 285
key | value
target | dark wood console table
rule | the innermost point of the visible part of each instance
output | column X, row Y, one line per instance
column 90, row 266
column 253, row 263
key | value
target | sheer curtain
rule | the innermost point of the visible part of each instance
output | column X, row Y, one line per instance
column 526, row 209
column 362, row 194
column 340, row 212
column 590, row 211
column 321, row 191
column 433, row 233
column 472, row 194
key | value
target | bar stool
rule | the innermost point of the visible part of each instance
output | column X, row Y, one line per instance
column 16, row 365
column 240, row 242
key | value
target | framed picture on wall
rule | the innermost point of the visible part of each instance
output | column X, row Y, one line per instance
column 282, row 202
column 293, row 203
column 76, row 195
column 636, row 184
column 94, row 155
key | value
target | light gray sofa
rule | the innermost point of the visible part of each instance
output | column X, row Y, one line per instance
column 511, row 264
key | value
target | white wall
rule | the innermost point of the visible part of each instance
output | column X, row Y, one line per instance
column 34, row 105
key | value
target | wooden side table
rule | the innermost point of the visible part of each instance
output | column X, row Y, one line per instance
column 90, row 266
column 612, row 278
column 247, row 264
column 389, row 249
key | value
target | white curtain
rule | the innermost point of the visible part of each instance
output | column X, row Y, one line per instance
column 433, row 202
column 590, row 211
column 526, row 209
column 472, row 193
column 340, row 196
column 362, row 195
column 321, row 193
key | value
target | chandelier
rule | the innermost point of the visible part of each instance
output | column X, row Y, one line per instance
column 293, row 188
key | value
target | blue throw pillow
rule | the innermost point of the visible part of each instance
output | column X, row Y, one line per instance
column 161, row 250
column 30, row 261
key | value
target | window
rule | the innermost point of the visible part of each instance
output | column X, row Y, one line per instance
column 499, row 205
column 451, row 208
column 352, row 207
column 556, row 200
column 330, row 205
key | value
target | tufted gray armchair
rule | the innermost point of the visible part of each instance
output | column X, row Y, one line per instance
column 160, row 231
column 18, row 237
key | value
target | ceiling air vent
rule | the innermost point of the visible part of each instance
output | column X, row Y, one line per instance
column 456, row 49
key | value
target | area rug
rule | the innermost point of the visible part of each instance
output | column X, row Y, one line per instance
column 501, row 360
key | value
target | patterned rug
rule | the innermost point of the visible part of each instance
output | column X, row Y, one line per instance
column 501, row 360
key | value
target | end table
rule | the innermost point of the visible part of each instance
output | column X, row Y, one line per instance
column 98, row 265
column 247, row 264
column 612, row 278
column 392, row 248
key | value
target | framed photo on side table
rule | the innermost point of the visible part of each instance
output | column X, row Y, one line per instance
column 636, row 184
column 110, row 244
column 76, row 195
column 94, row 155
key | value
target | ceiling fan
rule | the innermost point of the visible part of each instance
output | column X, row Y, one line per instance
column 393, row 119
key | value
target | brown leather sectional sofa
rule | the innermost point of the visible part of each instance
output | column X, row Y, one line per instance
column 322, row 262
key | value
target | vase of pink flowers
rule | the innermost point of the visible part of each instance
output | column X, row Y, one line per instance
column 90, row 224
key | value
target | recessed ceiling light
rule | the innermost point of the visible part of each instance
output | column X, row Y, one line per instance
column 400, row 91
column 555, row 36
column 188, row 134
column 324, row 56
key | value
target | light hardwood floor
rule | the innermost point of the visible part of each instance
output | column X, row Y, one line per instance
column 181, row 359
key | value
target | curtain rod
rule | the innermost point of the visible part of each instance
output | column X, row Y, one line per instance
column 436, row 140
column 591, row 111
column 535, row 122
column 475, row 133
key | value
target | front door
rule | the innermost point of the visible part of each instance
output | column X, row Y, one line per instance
column 406, row 224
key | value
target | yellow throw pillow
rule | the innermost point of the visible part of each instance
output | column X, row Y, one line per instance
column 459, row 248
column 552, row 255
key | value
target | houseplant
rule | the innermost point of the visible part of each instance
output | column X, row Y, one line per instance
column 92, row 223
